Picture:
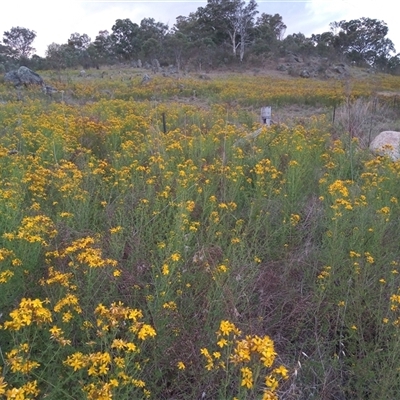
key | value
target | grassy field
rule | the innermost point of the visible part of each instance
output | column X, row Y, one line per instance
column 202, row 262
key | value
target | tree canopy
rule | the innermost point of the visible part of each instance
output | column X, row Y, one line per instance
column 362, row 39
column 222, row 31
column 19, row 40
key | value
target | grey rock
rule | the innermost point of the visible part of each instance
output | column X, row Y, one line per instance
column 339, row 68
column 172, row 69
column 145, row 79
column 155, row 64
column 305, row 74
column 12, row 77
column 292, row 57
column 282, row 67
column 387, row 143
column 49, row 89
column 23, row 76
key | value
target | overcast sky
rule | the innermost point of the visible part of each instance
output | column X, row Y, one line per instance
column 55, row 20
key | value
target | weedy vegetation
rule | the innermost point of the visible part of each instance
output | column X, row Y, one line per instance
column 201, row 262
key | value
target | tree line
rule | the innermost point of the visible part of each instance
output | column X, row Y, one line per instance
column 221, row 33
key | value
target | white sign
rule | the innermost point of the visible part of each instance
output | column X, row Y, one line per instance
column 265, row 115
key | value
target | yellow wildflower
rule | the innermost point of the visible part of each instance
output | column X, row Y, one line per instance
column 247, row 377
column 181, row 365
column 146, row 331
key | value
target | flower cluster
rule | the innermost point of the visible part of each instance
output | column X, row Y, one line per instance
column 251, row 355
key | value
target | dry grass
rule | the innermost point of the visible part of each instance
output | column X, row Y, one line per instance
column 364, row 119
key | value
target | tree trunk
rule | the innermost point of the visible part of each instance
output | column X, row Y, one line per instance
column 242, row 42
column 233, row 39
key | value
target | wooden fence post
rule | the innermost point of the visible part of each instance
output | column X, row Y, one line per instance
column 164, row 123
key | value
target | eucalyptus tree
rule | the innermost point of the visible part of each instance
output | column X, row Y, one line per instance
column 177, row 44
column 363, row 40
column 4, row 53
column 60, row 56
column 298, row 43
column 150, row 29
column 19, row 42
column 103, row 47
column 324, row 43
column 268, row 32
column 244, row 21
column 192, row 40
column 152, row 36
column 125, row 38
column 79, row 45
column 228, row 20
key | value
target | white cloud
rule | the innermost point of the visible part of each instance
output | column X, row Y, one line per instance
column 321, row 12
column 56, row 21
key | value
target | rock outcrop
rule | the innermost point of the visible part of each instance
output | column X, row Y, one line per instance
column 23, row 76
column 311, row 67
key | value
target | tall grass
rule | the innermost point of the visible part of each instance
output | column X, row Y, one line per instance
column 192, row 264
